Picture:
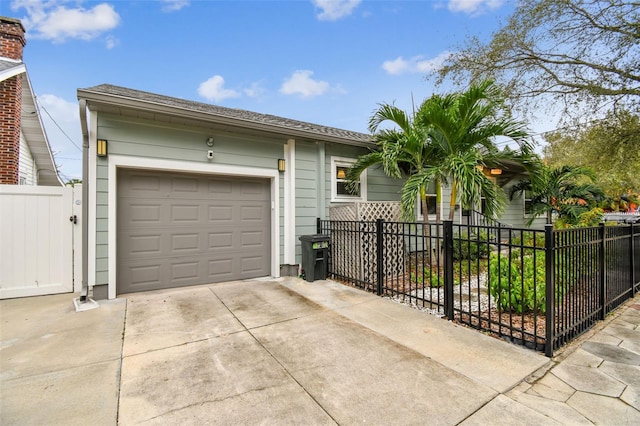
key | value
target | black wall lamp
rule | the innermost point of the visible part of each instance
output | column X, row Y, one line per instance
column 281, row 165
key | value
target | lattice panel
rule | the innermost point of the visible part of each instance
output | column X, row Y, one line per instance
column 345, row 212
column 354, row 253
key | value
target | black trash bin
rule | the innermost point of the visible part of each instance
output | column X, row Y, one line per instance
column 315, row 254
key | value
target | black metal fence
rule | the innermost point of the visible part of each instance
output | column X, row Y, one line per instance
column 537, row 288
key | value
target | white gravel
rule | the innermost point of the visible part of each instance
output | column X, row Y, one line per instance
column 470, row 296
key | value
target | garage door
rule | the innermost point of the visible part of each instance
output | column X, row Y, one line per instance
column 178, row 229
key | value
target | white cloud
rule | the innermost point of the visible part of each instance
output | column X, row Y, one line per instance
column 417, row 64
column 301, row 83
column 213, row 90
column 174, row 5
column 255, row 90
column 332, row 10
column 474, row 6
column 54, row 21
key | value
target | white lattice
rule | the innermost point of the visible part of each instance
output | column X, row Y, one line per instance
column 354, row 247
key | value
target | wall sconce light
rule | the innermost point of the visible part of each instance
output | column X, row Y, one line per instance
column 101, row 149
column 209, row 141
column 496, row 171
column 281, row 165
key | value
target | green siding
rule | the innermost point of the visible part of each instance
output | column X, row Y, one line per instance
column 380, row 187
column 306, row 191
column 514, row 213
column 144, row 138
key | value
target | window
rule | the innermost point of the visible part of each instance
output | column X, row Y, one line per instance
column 527, row 203
column 339, row 190
column 431, row 207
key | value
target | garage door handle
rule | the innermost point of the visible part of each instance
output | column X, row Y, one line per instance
column 73, row 219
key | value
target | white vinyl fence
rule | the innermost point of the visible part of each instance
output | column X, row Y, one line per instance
column 39, row 227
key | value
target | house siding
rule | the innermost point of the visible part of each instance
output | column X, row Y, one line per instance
column 26, row 165
column 514, row 213
column 380, row 187
column 148, row 139
column 306, row 191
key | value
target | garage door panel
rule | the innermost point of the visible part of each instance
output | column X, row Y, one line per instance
column 185, row 242
column 143, row 213
column 144, row 183
column 220, row 213
column 219, row 187
column 190, row 229
column 221, row 240
column 185, row 213
column 183, row 184
column 250, row 239
column 144, row 275
column 144, row 244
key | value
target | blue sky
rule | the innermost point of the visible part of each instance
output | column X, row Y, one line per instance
column 324, row 61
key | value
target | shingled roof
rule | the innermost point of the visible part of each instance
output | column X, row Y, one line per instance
column 239, row 117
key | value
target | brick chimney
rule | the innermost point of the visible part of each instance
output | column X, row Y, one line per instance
column 12, row 43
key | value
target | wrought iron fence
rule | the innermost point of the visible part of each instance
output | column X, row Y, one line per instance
column 537, row 288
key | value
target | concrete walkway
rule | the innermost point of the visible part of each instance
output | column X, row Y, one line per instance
column 292, row 352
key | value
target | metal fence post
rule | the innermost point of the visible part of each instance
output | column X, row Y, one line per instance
column 549, row 253
column 318, row 226
column 448, row 269
column 632, row 264
column 379, row 256
column 603, row 276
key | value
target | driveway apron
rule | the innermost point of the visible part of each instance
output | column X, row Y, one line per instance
column 259, row 352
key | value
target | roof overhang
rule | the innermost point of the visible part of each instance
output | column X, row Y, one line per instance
column 35, row 137
column 146, row 109
column 10, row 70
column 31, row 127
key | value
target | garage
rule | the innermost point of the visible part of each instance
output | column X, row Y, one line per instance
column 180, row 229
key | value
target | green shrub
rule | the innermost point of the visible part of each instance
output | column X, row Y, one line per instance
column 518, row 283
column 470, row 246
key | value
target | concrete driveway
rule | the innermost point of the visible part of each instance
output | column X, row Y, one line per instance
column 252, row 352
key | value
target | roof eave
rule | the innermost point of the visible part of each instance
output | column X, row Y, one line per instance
column 37, row 139
column 210, row 117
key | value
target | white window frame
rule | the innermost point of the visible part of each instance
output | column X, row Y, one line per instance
column 340, row 198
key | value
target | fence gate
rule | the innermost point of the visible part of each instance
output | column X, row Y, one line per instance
column 36, row 240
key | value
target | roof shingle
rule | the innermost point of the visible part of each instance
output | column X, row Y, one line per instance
column 231, row 113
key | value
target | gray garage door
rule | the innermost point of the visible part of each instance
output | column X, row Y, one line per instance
column 178, row 229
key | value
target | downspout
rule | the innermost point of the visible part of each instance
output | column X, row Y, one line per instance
column 84, row 293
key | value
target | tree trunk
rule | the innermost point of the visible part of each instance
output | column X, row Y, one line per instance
column 454, row 195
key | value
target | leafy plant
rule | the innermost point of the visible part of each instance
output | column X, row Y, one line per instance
column 470, row 246
column 517, row 282
column 429, row 276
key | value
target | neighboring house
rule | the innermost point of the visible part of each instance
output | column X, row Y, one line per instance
column 25, row 155
column 37, row 213
column 183, row 193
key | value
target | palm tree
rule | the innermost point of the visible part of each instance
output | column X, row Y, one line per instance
column 566, row 191
column 449, row 139
column 402, row 151
column 462, row 129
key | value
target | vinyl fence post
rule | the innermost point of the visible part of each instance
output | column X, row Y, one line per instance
column 603, row 275
column 448, row 269
column 379, row 256
column 549, row 260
